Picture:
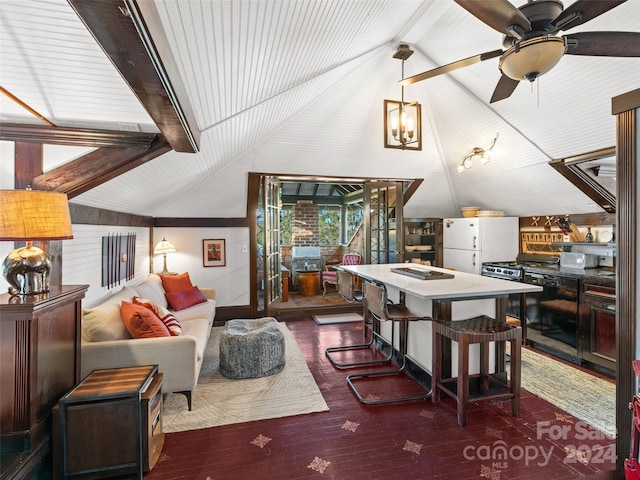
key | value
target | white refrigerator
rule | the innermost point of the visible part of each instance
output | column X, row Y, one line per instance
column 468, row 242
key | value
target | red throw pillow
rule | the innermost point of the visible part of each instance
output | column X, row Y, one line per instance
column 169, row 319
column 185, row 298
column 142, row 322
column 176, row 283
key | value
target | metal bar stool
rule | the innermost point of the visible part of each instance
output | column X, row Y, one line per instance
column 482, row 330
column 346, row 288
column 376, row 302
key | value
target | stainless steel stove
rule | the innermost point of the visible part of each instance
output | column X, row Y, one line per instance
column 503, row 270
column 516, row 270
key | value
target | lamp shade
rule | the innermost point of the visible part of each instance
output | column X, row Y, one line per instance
column 164, row 247
column 34, row 215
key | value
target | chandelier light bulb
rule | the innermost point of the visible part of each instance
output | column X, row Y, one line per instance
column 460, row 168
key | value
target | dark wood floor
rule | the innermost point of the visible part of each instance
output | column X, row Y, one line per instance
column 417, row 440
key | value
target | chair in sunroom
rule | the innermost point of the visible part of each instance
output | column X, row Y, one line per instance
column 330, row 275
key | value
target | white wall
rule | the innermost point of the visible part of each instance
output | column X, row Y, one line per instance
column 82, row 259
column 231, row 282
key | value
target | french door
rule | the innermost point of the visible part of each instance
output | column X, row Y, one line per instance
column 383, row 204
column 269, row 247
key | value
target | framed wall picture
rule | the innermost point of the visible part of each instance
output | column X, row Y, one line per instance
column 213, row 253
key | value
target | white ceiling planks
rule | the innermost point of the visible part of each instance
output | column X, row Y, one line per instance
column 290, row 86
column 51, row 62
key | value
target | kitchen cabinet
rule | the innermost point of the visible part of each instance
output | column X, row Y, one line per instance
column 598, row 324
column 423, row 241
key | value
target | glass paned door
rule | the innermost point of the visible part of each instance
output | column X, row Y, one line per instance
column 271, row 245
column 383, row 217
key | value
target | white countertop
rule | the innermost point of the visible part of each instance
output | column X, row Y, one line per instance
column 463, row 285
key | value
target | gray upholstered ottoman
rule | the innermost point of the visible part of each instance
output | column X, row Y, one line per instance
column 251, row 348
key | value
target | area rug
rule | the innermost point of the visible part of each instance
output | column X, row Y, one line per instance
column 337, row 318
column 220, row 401
column 585, row 396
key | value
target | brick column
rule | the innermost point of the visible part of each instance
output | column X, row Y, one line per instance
column 305, row 225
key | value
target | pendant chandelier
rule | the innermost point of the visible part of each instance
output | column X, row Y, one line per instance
column 402, row 120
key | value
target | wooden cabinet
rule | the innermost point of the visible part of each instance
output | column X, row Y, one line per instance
column 598, row 325
column 423, row 241
column 40, row 362
column 110, row 425
column 152, row 434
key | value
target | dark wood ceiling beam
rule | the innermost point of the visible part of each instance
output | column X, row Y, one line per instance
column 130, row 33
column 97, row 167
column 85, row 137
column 27, row 163
column 84, row 215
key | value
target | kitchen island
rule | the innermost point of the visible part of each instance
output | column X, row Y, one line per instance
column 464, row 296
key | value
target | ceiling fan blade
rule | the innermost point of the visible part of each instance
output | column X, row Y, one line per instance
column 451, row 66
column 504, row 89
column 498, row 14
column 604, row 44
column 582, row 11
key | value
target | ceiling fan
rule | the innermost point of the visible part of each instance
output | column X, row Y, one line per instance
column 531, row 41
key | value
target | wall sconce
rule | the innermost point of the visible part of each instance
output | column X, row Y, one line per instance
column 163, row 248
column 481, row 153
column 402, row 120
column 28, row 215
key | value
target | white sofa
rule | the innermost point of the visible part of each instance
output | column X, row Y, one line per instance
column 106, row 343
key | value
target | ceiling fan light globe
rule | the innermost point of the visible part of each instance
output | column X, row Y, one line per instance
column 460, row 168
column 532, row 58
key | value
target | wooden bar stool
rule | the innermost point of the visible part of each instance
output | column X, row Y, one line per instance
column 482, row 330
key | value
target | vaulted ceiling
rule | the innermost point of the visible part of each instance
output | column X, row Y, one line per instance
column 297, row 87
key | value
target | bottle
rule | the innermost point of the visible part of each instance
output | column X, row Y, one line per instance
column 589, row 236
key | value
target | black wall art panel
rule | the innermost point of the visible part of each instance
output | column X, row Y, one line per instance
column 118, row 258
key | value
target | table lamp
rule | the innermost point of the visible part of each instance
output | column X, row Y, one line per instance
column 28, row 215
column 163, row 248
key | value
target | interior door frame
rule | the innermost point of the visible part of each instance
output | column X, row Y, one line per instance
column 397, row 206
column 253, row 192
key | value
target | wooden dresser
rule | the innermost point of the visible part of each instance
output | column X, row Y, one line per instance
column 39, row 362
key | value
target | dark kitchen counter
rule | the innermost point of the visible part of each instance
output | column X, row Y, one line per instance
column 602, row 276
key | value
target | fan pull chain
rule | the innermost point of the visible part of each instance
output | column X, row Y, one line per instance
column 537, row 90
